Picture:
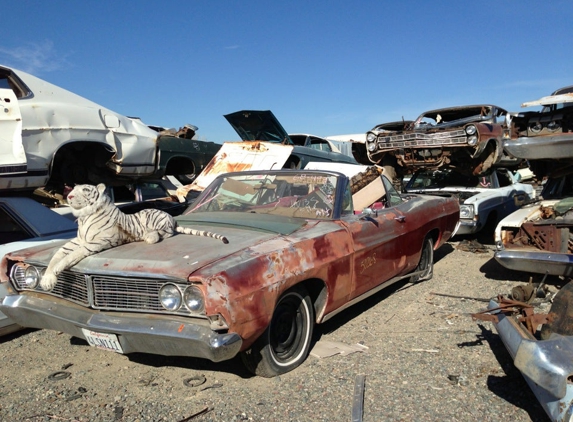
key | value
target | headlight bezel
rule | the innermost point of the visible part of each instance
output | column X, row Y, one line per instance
column 467, row 212
column 471, row 130
column 195, row 294
column 174, row 294
column 32, row 271
column 472, row 140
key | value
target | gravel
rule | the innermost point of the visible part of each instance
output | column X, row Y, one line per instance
column 427, row 360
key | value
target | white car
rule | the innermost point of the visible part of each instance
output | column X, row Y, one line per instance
column 62, row 133
column 24, row 223
column 537, row 238
column 484, row 200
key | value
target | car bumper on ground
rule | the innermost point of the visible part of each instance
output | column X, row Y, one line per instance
column 552, row 263
column 135, row 332
column 546, row 365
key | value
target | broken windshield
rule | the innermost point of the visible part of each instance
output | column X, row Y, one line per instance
column 456, row 116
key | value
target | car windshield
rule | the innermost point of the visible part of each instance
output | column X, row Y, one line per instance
column 436, row 179
column 286, row 193
column 455, row 116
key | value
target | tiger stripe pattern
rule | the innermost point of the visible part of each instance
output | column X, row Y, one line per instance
column 101, row 226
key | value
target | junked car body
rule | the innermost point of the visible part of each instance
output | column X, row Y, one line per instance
column 262, row 125
column 467, row 138
column 544, row 137
column 25, row 222
column 298, row 254
column 538, row 238
column 51, row 137
column 484, row 200
column 543, row 356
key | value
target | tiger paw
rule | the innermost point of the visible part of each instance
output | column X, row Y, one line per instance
column 48, row 281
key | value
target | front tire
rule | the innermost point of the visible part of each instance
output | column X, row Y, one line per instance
column 285, row 344
column 426, row 264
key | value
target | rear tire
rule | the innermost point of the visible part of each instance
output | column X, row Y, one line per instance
column 285, row 344
column 426, row 264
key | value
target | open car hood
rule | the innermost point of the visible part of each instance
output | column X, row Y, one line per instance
column 258, row 125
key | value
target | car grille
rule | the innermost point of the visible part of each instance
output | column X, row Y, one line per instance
column 422, row 139
column 126, row 293
column 106, row 292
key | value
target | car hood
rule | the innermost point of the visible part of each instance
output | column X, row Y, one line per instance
column 258, row 125
column 175, row 257
column 525, row 213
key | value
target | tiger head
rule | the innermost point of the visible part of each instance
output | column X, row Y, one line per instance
column 87, row 199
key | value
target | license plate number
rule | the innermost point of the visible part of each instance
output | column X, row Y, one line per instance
column 103, row 340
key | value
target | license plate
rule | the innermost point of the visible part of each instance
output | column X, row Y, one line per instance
column 103, row 340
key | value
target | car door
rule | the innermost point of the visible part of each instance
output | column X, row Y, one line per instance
column 381, row 242
column 12, row 154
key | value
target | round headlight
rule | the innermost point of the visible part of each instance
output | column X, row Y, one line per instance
column 472, row 140
column 370, row 137
column 470, row 129
column 32, row 277
column 193, row 298
column 170, row 297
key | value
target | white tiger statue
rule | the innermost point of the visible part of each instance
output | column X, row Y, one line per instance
column 101, row 225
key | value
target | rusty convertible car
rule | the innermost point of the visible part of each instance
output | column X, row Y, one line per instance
column 298, row 254
column 466, row 138
column 50, row 137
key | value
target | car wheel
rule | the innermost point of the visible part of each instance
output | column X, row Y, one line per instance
column 185, row 179
column 426, row 264
column 285, row 344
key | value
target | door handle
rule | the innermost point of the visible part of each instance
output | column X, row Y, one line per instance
column 400, row 218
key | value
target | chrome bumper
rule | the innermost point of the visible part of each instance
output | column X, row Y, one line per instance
column 546, row 365
column 540, row 147
column 467, row 227
column 143, row 333
column 552, row 263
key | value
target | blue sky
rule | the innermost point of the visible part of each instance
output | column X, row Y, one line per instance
column 322, row 67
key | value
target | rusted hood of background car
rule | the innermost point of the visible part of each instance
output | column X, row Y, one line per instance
column 239, row 156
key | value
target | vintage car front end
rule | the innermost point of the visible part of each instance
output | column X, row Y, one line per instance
column 435, row 138
column 128, row 305
column 531, row 239
column 545, row 134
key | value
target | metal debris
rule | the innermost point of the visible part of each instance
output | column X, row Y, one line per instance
column 472, row 246
column 358, row 401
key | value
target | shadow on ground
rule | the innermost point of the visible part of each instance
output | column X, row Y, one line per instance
column 233, row 366
column 511, row 386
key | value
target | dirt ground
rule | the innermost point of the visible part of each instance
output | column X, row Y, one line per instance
column 421, row 355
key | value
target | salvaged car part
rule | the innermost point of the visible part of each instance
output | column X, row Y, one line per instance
column 484, row 200
column 544, row 137
column 52, row 137
column 300, row 251
column 544, row 359
column 538, row 238
column 467, row 138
